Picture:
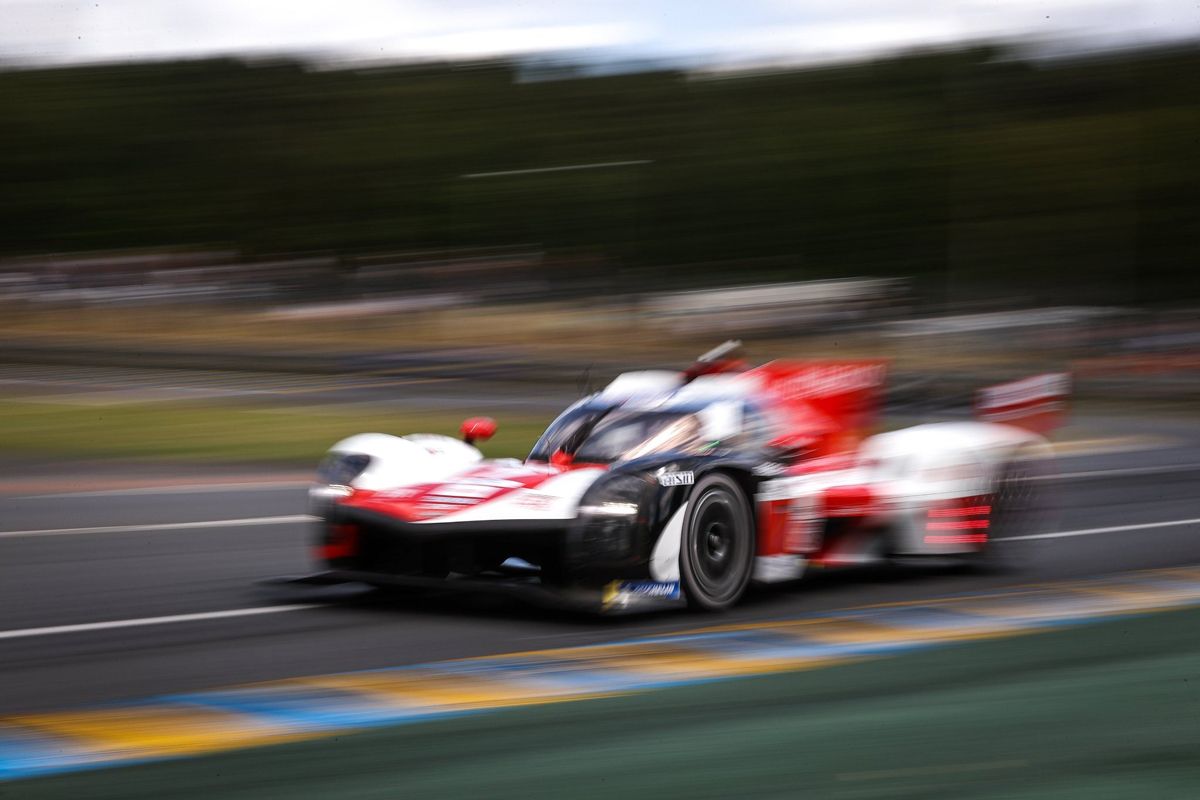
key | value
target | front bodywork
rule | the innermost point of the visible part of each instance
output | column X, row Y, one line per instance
column 586, row 532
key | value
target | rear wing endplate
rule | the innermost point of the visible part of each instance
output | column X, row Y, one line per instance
column 1037, row 403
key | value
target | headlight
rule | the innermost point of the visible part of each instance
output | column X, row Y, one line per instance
column 322, row 497
column 609, row 509
column 612, row 515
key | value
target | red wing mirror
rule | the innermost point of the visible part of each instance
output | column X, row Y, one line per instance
column 790, row 447
column 477, row 429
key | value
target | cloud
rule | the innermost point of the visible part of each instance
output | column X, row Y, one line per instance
column 847, row 38
column 498, row 41
column 81, row 30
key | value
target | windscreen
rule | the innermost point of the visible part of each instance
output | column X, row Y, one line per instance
column 567, row 432
column 633, row 434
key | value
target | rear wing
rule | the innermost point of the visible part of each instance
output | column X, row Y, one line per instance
column 834, row 402
column 1037, row 403
column 721, row 359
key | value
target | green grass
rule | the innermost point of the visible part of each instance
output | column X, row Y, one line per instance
column 225, row 432
column 229, row 432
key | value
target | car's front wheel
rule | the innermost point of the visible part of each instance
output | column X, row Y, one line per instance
column 717, row 551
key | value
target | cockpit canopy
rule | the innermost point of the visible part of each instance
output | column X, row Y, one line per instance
column 598, row 432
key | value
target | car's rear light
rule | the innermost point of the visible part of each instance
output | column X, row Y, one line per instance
column 961, row 520
column 957, row 525
column 960, row 511
column 958, row 538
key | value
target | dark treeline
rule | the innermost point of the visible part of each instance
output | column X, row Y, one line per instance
column 971, row 171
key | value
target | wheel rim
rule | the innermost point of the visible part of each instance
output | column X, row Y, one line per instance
column 1016, row 489
column 1015, row 503
column 716, row 552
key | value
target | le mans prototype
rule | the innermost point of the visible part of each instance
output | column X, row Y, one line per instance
column 681, row 488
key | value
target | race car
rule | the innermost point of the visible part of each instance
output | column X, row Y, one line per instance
column 682, row 487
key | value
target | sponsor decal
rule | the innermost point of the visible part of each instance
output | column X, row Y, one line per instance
column 676, row 478
column 657, row 590
column 802, row 533
column 621, row 594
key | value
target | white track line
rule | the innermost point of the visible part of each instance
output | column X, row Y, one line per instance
column 1164, row 469
column 1112, row 529
column 84, row 627
column 186, row 488
column 245, row 522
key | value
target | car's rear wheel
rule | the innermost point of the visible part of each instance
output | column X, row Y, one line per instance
column 1018, row 511
column 717, row 552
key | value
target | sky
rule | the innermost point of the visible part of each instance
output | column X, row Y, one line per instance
column 714, row 31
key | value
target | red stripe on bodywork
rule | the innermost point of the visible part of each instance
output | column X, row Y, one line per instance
column 475, row 486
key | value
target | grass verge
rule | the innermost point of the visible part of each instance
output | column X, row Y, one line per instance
column 224, row 432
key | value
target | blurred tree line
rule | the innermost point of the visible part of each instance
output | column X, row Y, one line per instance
column 977, row 172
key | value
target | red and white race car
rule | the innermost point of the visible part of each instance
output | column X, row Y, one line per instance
column 683, row 487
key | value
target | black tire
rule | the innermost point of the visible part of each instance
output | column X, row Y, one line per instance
column 717, row 549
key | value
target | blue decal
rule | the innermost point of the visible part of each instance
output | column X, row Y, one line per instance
column 660, row 590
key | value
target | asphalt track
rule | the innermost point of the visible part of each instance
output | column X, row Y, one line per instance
column 166, row 600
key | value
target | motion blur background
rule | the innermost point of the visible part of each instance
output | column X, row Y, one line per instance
column 379, row 187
